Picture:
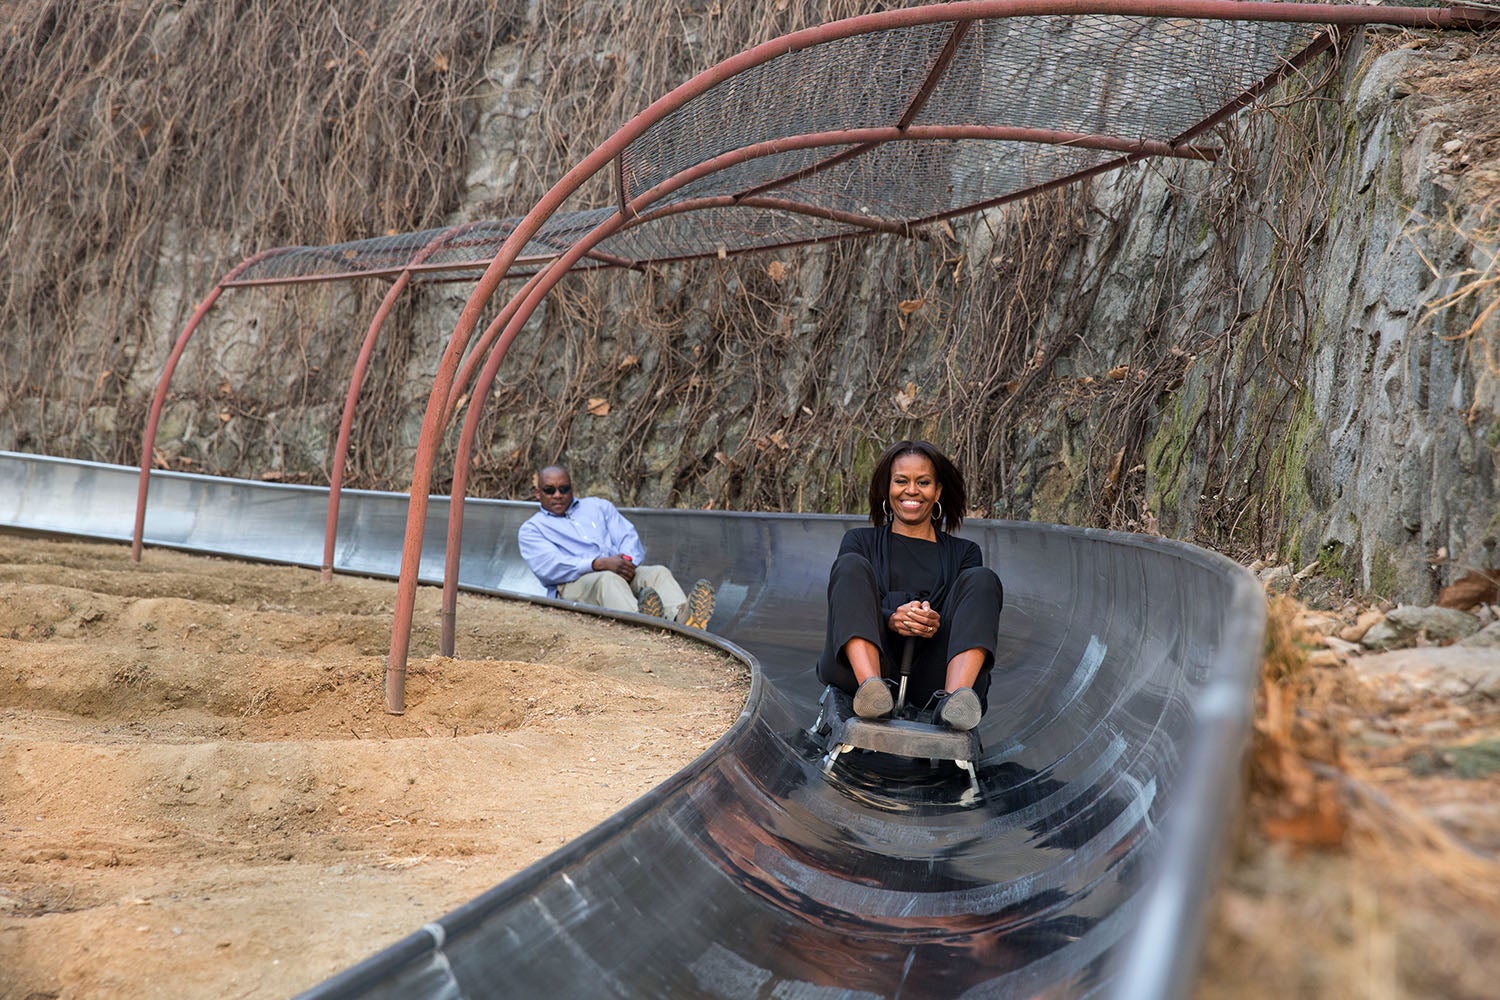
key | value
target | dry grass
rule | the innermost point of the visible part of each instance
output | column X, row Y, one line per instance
column 1344, row 883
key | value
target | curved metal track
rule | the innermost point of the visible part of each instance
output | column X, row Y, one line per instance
column 1118, row 718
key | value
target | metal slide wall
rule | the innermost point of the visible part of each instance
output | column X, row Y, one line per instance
column 1112, row 747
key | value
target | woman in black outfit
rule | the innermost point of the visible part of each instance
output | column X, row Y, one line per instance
column 908, row 577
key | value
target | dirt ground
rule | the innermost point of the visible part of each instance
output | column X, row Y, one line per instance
column 1367, row 858
column 201, row 794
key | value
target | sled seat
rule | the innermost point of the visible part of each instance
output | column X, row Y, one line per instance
column 844, row 731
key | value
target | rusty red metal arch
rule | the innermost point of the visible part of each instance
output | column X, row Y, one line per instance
column 159, row 398
column 356, row 383
column 611, row 152
column 231, row 280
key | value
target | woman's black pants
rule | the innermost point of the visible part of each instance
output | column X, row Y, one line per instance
column 970, row 620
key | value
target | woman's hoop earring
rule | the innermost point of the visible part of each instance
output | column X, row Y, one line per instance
column 885, row 508
column 937, row 512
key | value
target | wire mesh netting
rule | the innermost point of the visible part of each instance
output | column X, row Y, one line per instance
column 875, row 131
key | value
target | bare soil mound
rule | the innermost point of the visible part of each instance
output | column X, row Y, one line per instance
column 201, row 793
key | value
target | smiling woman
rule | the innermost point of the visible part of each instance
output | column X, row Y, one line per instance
column 907, row 583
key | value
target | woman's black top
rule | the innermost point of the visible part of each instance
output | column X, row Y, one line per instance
column 916, row 567
column 906, row 567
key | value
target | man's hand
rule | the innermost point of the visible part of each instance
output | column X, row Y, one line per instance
column 620, row 564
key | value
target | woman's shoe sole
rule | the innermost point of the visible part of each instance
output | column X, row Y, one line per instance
column 960, row 710
column 872, row 699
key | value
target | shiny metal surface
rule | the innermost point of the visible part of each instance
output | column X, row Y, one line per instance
column 1118, row 717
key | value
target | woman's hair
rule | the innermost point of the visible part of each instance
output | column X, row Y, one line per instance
column 954, row 500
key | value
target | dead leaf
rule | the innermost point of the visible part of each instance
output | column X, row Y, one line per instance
column 909, row 306
column 1118, row 372
column 629, row 361
column 440, row 62
column 1112, row 477
column 599, row 407
column 1476, row 588
column 776, row 269
column 1323, row 824
column 905, row 397
column 1306, row 810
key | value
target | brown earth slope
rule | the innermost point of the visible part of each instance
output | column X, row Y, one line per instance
column 202, row 795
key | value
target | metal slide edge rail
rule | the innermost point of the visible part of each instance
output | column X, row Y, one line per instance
column 1127, row 714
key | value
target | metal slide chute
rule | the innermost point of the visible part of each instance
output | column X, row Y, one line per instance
column 1111, row 754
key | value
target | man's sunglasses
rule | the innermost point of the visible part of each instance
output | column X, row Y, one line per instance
column 564, row 489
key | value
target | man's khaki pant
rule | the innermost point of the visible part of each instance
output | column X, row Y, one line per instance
column 609, row 589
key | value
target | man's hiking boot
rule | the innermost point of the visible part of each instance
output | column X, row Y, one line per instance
column 649, row 603
column 959, row 710
column 699, row 607
column 872, row 699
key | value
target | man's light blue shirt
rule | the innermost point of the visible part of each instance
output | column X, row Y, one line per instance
column 560, row 549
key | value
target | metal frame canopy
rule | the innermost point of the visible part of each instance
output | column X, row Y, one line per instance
column 880, row 123
column 885, row 123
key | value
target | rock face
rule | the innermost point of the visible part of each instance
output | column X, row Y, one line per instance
column 1406, row 622
column 1402, row 441
column 1359, row 350
column 1283, row 352
column 1291, row 352
column 1336, row 312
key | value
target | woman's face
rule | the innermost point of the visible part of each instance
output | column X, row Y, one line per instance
column 914, row 491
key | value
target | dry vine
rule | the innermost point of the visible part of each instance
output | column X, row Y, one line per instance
column 148, row 148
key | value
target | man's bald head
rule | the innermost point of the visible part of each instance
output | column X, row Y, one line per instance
column 554, row 489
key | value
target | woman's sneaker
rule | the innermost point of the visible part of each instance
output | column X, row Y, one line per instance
column 959, row 709
column 699, row 607
column 648, row 602
column 872, row 699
